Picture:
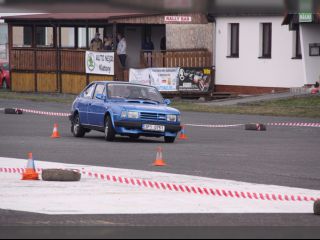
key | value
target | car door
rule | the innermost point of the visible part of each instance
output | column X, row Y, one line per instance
column 96, row 110
column 84, row 102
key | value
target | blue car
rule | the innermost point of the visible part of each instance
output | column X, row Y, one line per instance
column 119, row 108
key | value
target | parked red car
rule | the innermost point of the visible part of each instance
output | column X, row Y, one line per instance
column 5, row 81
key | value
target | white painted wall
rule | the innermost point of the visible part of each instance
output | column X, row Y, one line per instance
column 249, row 70
column 310, row 33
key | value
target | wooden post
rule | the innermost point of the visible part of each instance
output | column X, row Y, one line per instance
column 87, row 37
column 114, row 33
column 34, row 46
column 59, row 61
column 76, row 37
column 88, row 47
column 55, row 40
column 10, row 45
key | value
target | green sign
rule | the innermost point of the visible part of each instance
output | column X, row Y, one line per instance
column 305, row 17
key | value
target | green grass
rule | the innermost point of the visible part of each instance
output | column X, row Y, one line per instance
column 308, row 107
column 57, row 98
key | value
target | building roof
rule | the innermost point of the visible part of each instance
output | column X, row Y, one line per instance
column 293, row 19
column 71, row 16
column 102, row 18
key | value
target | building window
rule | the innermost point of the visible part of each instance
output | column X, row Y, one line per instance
column 297, row 45
column 3, row 41
column 22, row 36
column 44, row 37
column 266, row 40
column 82, row 38
column 67, row 37
column 234, row 40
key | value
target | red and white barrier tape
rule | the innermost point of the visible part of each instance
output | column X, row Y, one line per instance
column 214, row 126
column 183, row 188
column 54, row 114
column 315, row 125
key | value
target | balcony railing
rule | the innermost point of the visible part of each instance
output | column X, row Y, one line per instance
column 176, row 58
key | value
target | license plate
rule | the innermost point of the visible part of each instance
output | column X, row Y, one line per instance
column 153, row 128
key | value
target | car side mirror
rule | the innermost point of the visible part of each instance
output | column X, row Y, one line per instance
column 167, row 102
column 101, row 97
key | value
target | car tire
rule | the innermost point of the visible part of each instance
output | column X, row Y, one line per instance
column 255, row 127
column 77, row 130
column 316, row 208
column 169, row 139
column 110, row 133
column 59, row 175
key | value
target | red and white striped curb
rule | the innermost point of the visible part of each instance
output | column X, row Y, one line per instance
column 54, row 114
column 204, row 191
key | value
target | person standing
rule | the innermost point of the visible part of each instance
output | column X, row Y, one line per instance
column 108, row 44
column 96, row 43
column 148, row 45
column 122, row 49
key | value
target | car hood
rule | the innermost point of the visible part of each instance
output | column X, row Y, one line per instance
column 158, row 108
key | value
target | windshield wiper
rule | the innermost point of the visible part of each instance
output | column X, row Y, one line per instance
column 145, row 99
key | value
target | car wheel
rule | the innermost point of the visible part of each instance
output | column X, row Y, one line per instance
column 4, row 84
column 77, row 130
column 169, row 139
column 110, row 133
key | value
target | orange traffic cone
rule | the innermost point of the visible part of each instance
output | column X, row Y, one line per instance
column 30, row 173
column 159, row 160
column 183, row 135
column 55, row 133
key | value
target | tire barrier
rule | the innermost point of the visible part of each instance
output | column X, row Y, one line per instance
column 316, row 208
column 13, row 111
column 256, row 127
column 59, row 175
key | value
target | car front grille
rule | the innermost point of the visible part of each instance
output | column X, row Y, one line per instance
column 153, row 116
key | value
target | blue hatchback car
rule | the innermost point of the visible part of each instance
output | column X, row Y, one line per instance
column 119, row 108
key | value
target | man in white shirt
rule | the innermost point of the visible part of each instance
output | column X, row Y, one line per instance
column 122, row 49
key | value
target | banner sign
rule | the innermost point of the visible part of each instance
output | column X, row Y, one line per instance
column 140, row 76
column 195, row 79
column 305, row 17
column 165, row 79
column 178, row 19
column 100, row 63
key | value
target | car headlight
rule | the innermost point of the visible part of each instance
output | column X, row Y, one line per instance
column 172, row 118
column 133, row 115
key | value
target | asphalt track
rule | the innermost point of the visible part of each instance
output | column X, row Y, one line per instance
column 285, row 156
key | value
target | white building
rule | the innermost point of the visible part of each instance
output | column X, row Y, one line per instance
column 260, row 54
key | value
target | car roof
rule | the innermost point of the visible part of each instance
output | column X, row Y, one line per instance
column 120, row 82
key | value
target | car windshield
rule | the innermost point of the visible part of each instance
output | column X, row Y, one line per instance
column 134, row 92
